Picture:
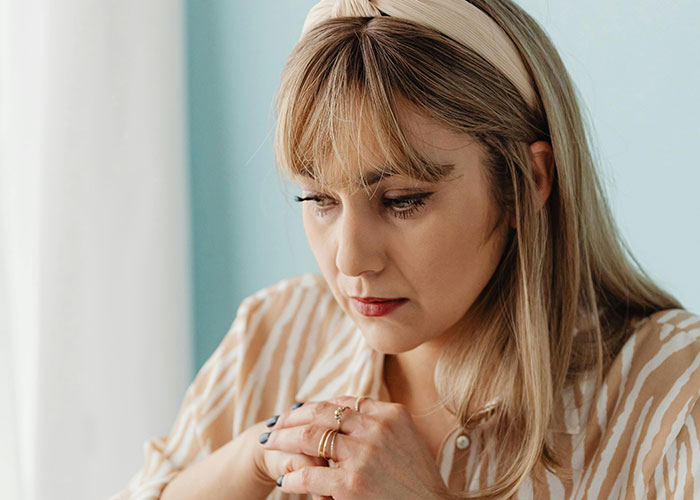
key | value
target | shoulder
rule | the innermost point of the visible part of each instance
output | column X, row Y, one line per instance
column 653, row 384
column 277, row 339
column 658, row 368
column 284, row 298
column 664, row 347
column 294, row 304
column 295, row 322
column 670, row 322
column 270, row 312
column 296, row 333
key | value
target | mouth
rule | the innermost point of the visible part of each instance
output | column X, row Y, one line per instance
column 376, row 306
column 373, row 300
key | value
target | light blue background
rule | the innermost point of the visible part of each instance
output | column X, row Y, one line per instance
column 635, row 63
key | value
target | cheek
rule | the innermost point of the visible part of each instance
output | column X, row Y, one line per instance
column 453, row 257
column 443, row 245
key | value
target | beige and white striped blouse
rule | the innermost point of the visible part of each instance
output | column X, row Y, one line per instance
column 637, row 437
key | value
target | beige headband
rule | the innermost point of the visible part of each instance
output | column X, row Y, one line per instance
column 458, row 19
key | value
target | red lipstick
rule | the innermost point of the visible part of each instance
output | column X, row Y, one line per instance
column 375, row 306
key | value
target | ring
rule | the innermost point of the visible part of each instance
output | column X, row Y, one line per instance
column 338, row 415
column 335, row 433
column 358, row 401
column 322, row 443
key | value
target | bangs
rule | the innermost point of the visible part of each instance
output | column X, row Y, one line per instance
column 339, row 112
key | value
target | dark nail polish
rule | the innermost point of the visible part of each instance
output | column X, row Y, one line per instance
column 295, row 406
column 272, row 421
column 279, row 481
column 264, row 437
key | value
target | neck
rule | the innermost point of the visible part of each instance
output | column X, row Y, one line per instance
column 409, row 376
column 409, row 379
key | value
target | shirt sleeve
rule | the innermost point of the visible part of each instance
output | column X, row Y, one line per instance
column 203, row 422
column 678, row 473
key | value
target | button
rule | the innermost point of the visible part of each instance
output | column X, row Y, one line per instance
column 463, row 442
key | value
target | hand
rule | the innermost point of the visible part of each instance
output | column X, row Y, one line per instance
column 273, row 464
column 378, row 454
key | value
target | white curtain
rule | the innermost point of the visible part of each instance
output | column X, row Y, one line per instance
column 94, row 241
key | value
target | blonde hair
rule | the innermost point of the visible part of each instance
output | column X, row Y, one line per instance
column 565, row 269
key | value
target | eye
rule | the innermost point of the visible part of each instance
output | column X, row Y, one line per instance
column 406, row 206
column 321, row 203
column 402, row 207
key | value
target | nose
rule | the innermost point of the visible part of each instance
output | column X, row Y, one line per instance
column 359, row 247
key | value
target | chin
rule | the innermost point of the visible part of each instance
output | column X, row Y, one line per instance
column 384, row 342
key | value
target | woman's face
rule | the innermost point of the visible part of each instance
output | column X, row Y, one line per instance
column 422, row 247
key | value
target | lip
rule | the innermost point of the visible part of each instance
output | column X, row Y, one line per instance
column 376, row 306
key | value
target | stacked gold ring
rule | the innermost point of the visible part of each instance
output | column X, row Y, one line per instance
column 335, row 433
column 327, row 438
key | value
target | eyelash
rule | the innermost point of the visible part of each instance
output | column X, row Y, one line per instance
column 415, row 201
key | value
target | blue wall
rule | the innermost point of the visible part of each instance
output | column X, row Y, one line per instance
column 634, row 62
column 246, row 234
column 637, row 67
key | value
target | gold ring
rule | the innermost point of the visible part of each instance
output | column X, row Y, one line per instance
column 338, row 415
column 335, row 433
column 330, row 437
column 322, row 443
column 358, row 401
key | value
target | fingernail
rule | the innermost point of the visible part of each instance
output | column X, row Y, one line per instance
column 264, row 437
column 279, row 480
column 295, row 406
column 272, row 421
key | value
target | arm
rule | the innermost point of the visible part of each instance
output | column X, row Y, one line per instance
column 200, row 447
column 232, row 470
column 212, row 450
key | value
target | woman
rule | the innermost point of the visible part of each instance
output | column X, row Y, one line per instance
column 479, row 329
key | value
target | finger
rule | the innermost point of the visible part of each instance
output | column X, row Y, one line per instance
column 307, row 439
column 371, row 410
column 356, row 403
column 278, row 463
column 322, row 481
column 321, row 413
column 365, row 404
column 296, row 461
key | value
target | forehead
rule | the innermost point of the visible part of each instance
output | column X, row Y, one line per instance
column 424, row 149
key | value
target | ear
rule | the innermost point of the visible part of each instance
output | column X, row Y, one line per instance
column 542, row 157
column 542, row 169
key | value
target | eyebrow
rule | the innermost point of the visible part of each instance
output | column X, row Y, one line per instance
column 374, row 177
column 440, row 171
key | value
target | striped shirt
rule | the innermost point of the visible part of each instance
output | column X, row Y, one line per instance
column 635, row 437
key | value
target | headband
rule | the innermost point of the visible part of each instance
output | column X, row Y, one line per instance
column 458, row 19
